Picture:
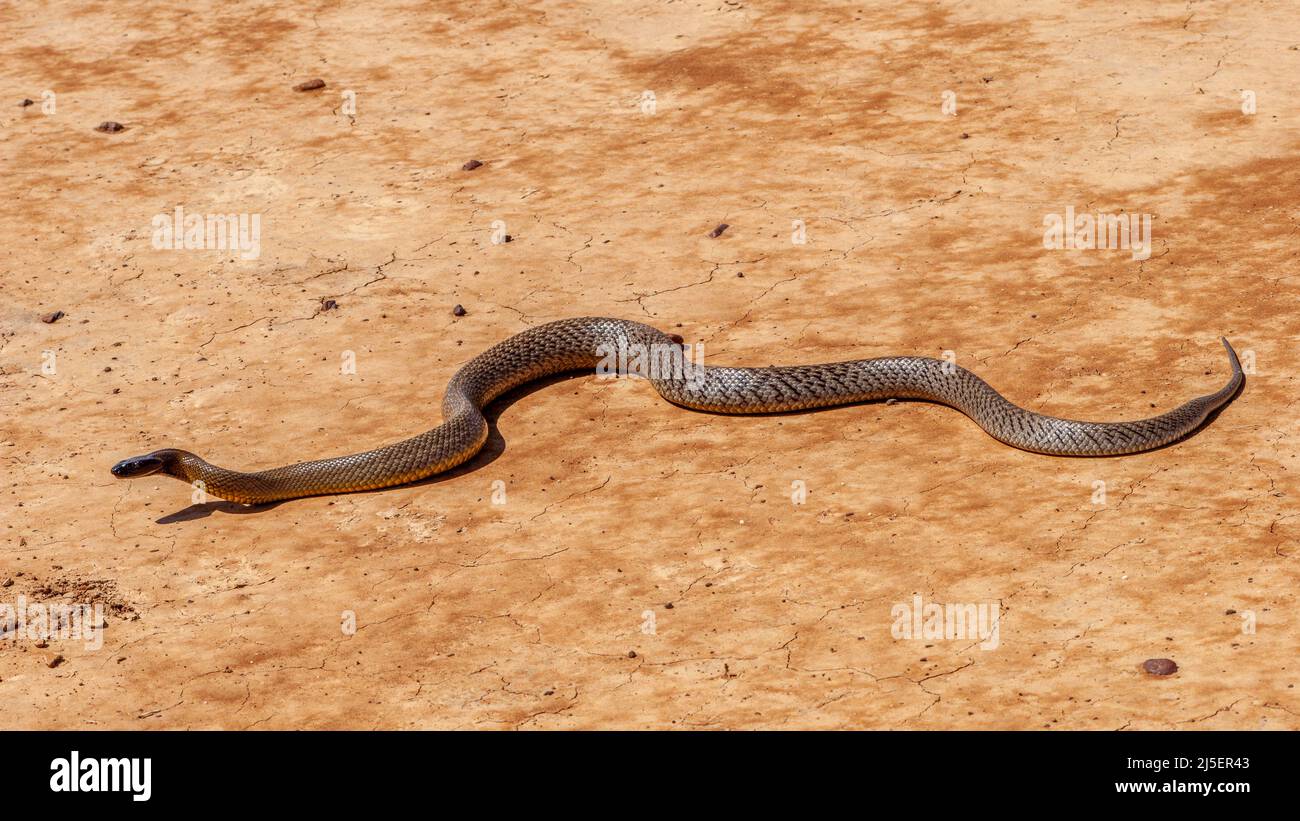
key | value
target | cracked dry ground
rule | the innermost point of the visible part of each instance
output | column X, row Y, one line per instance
column 924, row 236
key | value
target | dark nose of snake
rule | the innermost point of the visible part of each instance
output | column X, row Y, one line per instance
column 615, row 345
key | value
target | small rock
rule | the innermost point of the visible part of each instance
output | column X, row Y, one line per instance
column 110, row 127
column 459, row 310
column 1160, row 667
column 668, row 606
column 7, row 583
column 310, row 85
column 508, row 238
column 717, row 232
column 471, row 165
column 26, row 102
column 52, row 317
column 42, row 644
column 1229, row 612
column 55, row 662
column 631, row 654
column 328, row 305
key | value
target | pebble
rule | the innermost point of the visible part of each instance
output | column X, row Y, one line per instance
column 310, row 85
column 52, row 317
column 717, row 232
column 459, row 310
column 110, row 127
column 631, row 654
column 1160, row 667
column 26, row 102
column 55, row 662
column 471, row 165
column 328, row 305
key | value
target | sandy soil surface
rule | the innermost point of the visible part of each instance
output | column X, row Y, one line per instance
column 611, row 560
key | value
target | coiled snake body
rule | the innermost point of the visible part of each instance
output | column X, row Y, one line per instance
column 589, row 342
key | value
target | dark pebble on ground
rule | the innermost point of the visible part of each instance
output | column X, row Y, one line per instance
column 459, row 310
column 110, row 127
column 717, row 232
column 1160, row 667
column 52, row 317
column 310, row 85
column 471, row 165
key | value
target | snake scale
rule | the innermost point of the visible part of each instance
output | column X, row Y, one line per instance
column 585, row 343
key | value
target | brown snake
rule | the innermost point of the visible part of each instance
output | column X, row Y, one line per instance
column 593, row 342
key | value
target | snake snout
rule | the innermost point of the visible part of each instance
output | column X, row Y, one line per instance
column 137, row 466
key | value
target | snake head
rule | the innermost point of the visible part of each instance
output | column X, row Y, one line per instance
column 139, row 466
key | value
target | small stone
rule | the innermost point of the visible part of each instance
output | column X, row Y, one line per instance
column 459, row 310
column 26, row 102
column 631, row 654
column 110, row 127
column 310, row 85
column 668, row 606
column 55, row 662
column 328, row 305
column 1229, row 612
column 717, row 232
column 1160, row 667
column 740, row 274
column 7, row 583
column 471, row 165
column 42, row 644
column 52, row 317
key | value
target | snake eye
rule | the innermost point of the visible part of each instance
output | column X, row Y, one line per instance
column 137, row 466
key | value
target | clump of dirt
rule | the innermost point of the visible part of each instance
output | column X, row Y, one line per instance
column 74, row 590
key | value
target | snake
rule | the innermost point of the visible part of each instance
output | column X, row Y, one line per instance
column 618, row 347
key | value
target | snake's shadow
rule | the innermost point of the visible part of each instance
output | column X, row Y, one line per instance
column 491, row 450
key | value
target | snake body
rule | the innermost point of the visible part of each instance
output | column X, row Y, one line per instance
column 592, row 342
